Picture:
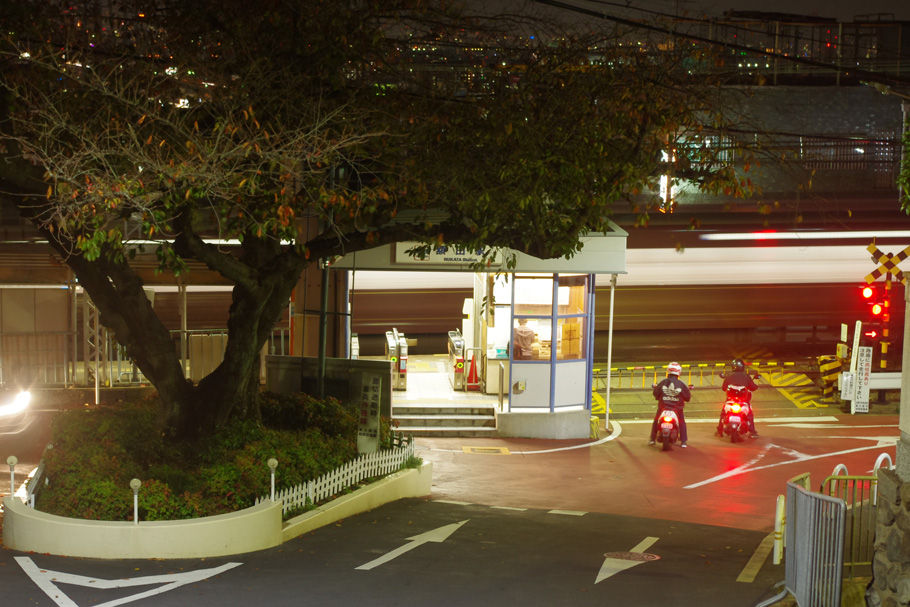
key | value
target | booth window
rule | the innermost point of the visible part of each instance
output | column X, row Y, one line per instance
column 572, row 338
column 531, row 339
column 533, row 295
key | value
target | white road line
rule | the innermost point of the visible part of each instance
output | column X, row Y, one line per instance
column 750, row 571
column 744, row 468
column 567, row 512
column 613, row 565
column 47, row 581
column 440, row 534
column 644, row 544
column 802, row 425
column 617, row 431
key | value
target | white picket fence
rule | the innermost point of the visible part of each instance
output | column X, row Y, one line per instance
column 339, row 479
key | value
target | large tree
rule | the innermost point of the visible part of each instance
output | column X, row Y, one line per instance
column 308, row 129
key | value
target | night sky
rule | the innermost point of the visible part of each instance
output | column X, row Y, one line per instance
column 843, row 10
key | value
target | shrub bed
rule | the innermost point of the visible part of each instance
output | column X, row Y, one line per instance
column 97, row 451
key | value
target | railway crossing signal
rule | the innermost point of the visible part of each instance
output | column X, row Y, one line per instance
column 888, row 265
column 877, row 326
column 873, row 326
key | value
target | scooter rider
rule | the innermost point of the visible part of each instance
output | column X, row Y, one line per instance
column 671, row 393
column 741, row 381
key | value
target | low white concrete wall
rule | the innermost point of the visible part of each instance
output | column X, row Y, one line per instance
column 413, row 482
column 251, row 529
column 255, row 528
column 543, row 424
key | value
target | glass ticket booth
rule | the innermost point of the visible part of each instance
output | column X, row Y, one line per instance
column 542, row 325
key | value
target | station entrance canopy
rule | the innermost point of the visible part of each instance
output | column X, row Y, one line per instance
column 550, row 302
column 601, row 253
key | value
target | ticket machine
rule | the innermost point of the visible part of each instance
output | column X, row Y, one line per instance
column 396, row 352
column 456, row 360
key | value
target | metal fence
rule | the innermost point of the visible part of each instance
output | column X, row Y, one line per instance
column 35, row 358
column 814, row 547
column 859, row 528
column 53, row 360
column 340, row 479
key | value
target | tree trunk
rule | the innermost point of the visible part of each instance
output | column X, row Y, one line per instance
column 230, row 391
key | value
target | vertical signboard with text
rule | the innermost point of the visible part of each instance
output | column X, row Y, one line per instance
column 860, row 403
column 368, row 427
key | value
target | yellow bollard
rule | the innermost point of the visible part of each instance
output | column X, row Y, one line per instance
column 595, row 427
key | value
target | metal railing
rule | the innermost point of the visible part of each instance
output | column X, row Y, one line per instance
column 815, row 547
column 699, row 374
column 854, row 543
column 860, row 493
column 859, row 527
column 47, row 360
column 814, row 542
column 27, row 359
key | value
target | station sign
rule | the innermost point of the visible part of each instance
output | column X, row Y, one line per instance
column 440, row 255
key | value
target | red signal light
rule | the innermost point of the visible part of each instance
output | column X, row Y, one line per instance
column 876, row 309
column 868, row 292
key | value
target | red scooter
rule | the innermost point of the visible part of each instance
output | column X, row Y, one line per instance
column 735, row 415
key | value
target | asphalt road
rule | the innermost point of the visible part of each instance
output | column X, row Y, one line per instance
column 479, row 555
column 517, row 521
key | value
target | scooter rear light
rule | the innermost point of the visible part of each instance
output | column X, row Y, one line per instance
column 668, row 418
column 735, row 407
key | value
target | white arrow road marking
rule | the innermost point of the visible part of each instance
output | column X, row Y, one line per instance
column 882, row 442
column 439, row 534
column 47, row 581
column 613, row 565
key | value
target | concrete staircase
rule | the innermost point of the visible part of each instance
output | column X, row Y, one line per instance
column 446, row 420
column 430, row 407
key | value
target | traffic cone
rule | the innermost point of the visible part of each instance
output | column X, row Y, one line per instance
column 472, row 382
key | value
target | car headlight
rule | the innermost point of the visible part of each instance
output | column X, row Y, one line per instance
column 18, row 405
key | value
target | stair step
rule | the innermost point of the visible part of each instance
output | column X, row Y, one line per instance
column 399, row 411
column 448, row 416
column 487, row 422
column 450, row 431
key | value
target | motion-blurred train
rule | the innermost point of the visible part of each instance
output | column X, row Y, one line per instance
column 789, row 302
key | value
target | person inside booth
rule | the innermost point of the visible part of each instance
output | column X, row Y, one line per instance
column 523, row 340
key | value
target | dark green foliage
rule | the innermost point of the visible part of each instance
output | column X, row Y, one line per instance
column 304, row 411
column 97, row 452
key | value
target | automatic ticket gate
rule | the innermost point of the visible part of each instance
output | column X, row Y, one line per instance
column 456, row 360
column 396, row 352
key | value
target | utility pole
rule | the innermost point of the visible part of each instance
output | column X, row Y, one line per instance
column 902, row 465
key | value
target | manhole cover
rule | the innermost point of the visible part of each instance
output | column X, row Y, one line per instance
column 486, row 450
column 631, row 556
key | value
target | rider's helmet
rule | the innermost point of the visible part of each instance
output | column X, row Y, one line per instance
column 738, row 364
column 674, row 368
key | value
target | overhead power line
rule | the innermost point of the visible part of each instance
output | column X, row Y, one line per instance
column 865, row 74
